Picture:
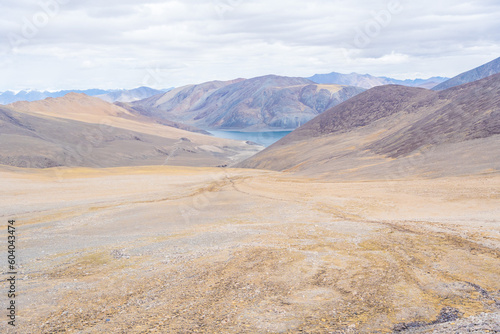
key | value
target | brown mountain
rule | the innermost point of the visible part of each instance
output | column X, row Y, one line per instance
column 264, row 103
column 78, row 130
column 395, row 131
column 173, row 104
column 80, row 107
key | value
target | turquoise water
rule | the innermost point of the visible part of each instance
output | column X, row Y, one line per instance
column 263, row 138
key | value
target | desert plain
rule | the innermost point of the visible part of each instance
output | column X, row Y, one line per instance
column 166, row 249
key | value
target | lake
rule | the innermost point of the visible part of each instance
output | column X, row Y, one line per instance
column 264, row 138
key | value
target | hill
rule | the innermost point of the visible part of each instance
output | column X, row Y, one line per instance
column 477, row 73
column 263, row 103
column 395, row 131
column 78, row 130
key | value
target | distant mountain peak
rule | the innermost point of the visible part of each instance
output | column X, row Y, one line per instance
column 130, row 95
column 368, row 81
column 111, row 95
column 75, row 95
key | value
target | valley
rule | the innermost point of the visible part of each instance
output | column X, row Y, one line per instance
column 199, row 210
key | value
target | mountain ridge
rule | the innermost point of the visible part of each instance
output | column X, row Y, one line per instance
column 475, row 74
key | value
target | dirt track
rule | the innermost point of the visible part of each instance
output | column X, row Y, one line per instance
column 166, row 250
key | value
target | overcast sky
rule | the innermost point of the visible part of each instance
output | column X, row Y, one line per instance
column 78, row 44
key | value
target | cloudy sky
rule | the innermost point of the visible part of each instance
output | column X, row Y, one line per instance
column 78, row 44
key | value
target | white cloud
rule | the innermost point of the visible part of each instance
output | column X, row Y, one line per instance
column 113, row 44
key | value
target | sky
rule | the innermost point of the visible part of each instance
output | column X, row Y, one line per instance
column 81, row 44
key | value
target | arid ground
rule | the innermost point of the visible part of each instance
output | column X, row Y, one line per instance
column 214, row 250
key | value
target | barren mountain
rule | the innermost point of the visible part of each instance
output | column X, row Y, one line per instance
column 269, row 102
column 84, row 108
column 78, row 130
column 393, row 131
column 477, row 73
column 178, row 100
column 73, row 106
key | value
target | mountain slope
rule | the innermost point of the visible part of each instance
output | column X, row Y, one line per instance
column 162, row 121
column 477, row 73
column 395, row 131
column 369, row 81
column 78, row 130
column 80, row 107
column 178, row 100
column 263, row 103
column 39, row 141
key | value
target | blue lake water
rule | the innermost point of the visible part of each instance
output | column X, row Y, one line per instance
column 265, row 138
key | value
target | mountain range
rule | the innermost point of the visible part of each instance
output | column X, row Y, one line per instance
column 342, row 131
column 369, row 81
column 129, row 95
column 395, row 131
column 115, row 95
column 264, row 103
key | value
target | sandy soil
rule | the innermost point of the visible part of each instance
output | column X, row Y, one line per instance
column 201, row 250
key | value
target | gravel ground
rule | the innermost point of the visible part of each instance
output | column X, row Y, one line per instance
column 172, row 251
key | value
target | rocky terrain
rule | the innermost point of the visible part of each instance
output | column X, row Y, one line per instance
column 263, row 103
